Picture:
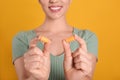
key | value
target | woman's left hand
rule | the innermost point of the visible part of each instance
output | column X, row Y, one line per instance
column 80, row 64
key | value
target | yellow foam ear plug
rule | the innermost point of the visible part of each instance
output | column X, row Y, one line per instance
column 44, row 39
column 70, row 39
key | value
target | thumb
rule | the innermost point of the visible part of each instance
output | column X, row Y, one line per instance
column 46, row 49
column 67, row 51
column 33, row 43
column 67, row 56
column 46, row 42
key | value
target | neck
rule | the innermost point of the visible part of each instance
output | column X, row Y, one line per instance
column 56, row 25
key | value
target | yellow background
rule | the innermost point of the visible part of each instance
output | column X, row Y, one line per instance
column 99, row 16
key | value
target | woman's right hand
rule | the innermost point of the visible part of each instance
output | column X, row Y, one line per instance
column 37, row 62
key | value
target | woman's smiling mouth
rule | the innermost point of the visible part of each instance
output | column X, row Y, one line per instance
column 55, row 8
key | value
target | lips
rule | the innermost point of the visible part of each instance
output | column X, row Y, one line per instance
column 55, row 8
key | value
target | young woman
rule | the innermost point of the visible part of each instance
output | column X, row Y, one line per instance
column 57, row 59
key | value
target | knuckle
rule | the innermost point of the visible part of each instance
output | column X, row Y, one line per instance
column 90, row 69
column 79, row 50
column 78, row 56
column 34, row 50
column 26, row 53
column 31, row 70
column 24, row 60
column 27, row 67
column 77, row 65
column 91, row 57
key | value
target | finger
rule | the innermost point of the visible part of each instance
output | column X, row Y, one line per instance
column 68, row 63
column 76, row 59
column 80, row 55
column 81, row 65
column 77, row 65
column 76, row 53
column 81, row 42
column 85, row 67
column 33, row 42
column 34, row 65
column 67, row 51
column 33, row 51
column 84, row 54
column 80, row 51
column 80, row 58
column 35, row 72
column 46, row 49
column 34, row 58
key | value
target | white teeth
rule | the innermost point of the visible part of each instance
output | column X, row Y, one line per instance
column 55, row 8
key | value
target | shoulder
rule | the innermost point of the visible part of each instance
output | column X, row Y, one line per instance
column 90, row 39
column 24, row 36
column 20, row 43
column 85, row 34
column 20, row 35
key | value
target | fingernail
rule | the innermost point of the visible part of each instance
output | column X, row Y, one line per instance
column 66, row 42
column 75, row 35
column 63, row 41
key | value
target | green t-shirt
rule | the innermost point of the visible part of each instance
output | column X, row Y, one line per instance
column 21, row 42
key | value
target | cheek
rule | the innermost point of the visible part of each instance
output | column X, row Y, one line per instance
column 44, row 5
column 67, row 2
column 44, row 2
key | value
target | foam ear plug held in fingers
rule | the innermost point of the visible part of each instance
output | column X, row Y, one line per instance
column 44, row 39
column 70, row 39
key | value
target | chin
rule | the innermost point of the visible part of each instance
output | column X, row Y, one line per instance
column 55, row 17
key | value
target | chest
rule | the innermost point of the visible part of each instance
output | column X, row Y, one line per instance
column 56, row 46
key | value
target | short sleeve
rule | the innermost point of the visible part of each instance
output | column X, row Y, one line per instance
column 91, row 41
column 19, row 45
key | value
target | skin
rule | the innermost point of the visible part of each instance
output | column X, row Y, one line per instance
column 80, row 64
column 35, row 64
